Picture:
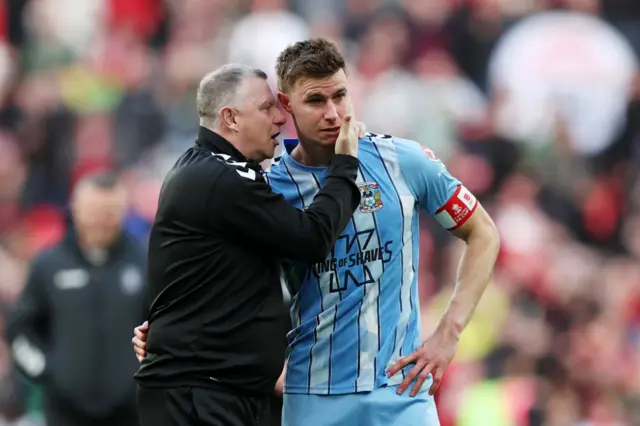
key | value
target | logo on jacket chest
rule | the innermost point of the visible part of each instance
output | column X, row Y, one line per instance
column 131, row 280
column 71, row 279
column 370, row 197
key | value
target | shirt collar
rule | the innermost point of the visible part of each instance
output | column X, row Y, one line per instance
column 289, row 144
column 213, row 142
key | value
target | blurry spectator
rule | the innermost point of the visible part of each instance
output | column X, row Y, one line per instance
column 539, row 69
column 276, row 26
column 70, row 327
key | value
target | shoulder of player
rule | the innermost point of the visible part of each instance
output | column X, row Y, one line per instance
column 277, row 167
column 377, row 138
column 279, row 172
column 276, row 161
column 399, row 144
column 385, row 139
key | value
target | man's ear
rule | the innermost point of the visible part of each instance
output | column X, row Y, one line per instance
column 284, row 100
column 228, row 118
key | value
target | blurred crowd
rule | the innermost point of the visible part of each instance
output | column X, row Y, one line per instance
column 533, row 104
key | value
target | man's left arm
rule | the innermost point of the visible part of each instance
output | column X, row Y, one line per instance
column 457, row 210
column 474, row 271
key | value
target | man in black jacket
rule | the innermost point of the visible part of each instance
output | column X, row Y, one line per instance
column 69, row 329
column 216, row 345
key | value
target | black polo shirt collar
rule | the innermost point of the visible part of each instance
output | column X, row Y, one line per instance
column 213, row 142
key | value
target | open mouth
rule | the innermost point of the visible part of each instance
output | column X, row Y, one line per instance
column 332, row 132
column 274, row 138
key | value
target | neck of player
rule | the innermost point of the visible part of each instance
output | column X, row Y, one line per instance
column 313, row 154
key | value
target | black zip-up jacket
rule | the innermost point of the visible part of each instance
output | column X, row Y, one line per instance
column 70, row 328
column 215, row 252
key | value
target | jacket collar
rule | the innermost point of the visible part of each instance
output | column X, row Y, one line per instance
column 213, row 142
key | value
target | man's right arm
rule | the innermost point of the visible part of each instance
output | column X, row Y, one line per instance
column 25, row 324
column 248, row 210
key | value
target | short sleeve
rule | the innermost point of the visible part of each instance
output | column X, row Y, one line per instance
column 438, row 193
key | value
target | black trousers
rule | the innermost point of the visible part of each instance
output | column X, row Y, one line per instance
column 191, row 406
column 276, row 410
column 56, row 414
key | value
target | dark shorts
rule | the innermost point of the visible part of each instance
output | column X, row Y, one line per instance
column 192, row 406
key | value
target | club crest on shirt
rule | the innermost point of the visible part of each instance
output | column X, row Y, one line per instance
column 371, row 199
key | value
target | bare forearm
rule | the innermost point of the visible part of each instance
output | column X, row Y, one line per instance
column 474, row 273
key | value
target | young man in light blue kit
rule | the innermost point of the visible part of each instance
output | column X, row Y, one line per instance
column 356, row 345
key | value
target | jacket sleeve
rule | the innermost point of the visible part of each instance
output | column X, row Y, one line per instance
column 26, row 324
column 248, row 210
column 147, row 300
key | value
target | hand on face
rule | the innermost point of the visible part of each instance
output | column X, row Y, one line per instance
column 347, row 141
column 361, row 129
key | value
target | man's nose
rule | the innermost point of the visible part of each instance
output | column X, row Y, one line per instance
column 331, row 112
column 280, row 119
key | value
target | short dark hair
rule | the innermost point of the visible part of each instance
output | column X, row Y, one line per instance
column 315, row 58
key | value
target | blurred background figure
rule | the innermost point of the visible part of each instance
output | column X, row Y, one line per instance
column 533, row 104
column 68, row 329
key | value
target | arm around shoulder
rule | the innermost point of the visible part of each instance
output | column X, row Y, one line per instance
column 245, row 208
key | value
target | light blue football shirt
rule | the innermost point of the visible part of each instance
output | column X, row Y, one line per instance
column 357, row 312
